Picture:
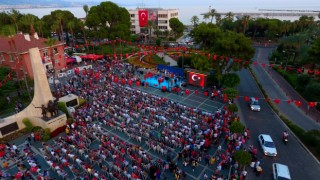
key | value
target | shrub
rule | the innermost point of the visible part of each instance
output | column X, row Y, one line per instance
column 233, row 108
column 28, row 124
column 312, row 92
column 46, row 136
column 237, row 127
column 81, row 101
column 69, row 120
column 302, row 81
column 63, row 107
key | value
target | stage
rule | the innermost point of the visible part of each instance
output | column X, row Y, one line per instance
column 158, row 82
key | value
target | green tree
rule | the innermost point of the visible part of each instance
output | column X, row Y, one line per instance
column 51, row 42
column 86, row 9
column 200, row 63
column 71, row 25
column 233, row 108
column 151, row 27
column 29, row 21
column 194, row 20
column 14, row 15
column 314, row 52
column 243, row 158
column 312, row 92
column 237, row 127
column 245, row 21
column 302, row 81
column 230, row 80
column 218, row 19
column 176, row 26
column 109, row 20
column 230, row 92
column 210, row 15
column 39, row 25
column 229, row 16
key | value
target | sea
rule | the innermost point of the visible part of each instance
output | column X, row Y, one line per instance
column 185, row 12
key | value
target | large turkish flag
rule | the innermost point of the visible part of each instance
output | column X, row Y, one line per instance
column 197, row 79
column 143, row 18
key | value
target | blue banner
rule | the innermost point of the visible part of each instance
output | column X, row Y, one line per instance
column 175, row 70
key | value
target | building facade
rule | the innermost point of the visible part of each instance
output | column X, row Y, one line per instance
column 14, row 53
column 159, row 16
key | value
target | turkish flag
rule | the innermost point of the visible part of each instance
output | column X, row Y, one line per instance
column 197, row 79
column 143, row 18
column 312, row 104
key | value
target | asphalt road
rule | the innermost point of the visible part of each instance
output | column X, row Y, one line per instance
column 302, row 165
column 291, row 111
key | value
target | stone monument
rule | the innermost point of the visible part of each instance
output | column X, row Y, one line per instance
column 42, row 95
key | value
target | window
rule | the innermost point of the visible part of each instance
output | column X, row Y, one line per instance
column 1, row 57
column 45, row 53
column 163, row 27
column 55, row 50
column 11, row 58
column 163, row 15
column 132, row 15
column 162, row 22
column 133, row 26
column 133, row 32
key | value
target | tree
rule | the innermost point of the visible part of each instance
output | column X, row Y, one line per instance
column 29, row 21
column 237, row 127
column 176, row 26
column 39, row 25
column 230, row 80
column 151, row 26
column 229, row 16
column 211, row 14
column 302, row 81
column 71, row 25
column 51, row 42
column 314, row 52
column 86, row 9
column 243, row 158
column 233, row 108
column 218, row 19
column 230, row 92
column 245, row 21
column 194, row 20
column 14, row 15
column 109, row 20
column 200, row 63
column 312, row 92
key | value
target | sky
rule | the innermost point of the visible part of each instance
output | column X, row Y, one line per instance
column 189, row 8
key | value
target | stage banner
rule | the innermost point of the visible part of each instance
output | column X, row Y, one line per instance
column 197, row 79
column 143, row 18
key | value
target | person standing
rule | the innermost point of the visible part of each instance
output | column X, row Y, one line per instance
column 244, row 174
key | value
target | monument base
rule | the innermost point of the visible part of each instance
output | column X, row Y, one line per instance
column 53, row 122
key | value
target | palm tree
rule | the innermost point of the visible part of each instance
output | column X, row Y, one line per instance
column 14, row 15
column 245, row 21
column 218, row 19
column 59, row 16
column 39, row 26
column 71, row 25
column 194, row 20
column 51, row 42
column 86, row 9
column 83, row 29
column 285, row 27
column 29, row 20
column 150, row 27
column 166, row 33
column 229, row 16
column 210, row 14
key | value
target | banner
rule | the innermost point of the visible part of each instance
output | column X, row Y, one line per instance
column 143, row 18
column 196, row 79
column 153, row 16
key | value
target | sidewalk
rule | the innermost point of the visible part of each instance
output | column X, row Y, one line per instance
column 168, row 59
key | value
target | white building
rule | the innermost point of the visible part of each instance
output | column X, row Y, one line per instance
column 160, row 17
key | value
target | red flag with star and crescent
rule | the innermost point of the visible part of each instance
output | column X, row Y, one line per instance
column 143, row 18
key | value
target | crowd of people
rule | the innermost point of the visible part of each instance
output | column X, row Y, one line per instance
column 181, row 136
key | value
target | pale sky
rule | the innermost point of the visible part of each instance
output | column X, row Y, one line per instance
column 189, row 8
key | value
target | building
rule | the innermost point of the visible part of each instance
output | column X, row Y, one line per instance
column 159, row 16
column 14, row 53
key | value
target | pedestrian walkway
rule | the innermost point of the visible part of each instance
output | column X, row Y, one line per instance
column 168, row 59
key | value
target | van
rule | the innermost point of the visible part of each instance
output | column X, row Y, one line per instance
column 280, row 172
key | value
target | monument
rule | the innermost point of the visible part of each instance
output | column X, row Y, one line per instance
column 42, row 111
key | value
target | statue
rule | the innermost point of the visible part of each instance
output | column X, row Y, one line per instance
column 56, row 106
column 43, row 111
column 51, row 108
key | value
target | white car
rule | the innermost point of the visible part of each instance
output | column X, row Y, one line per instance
column 254, row 104
column 267, row 145
column 280, row 172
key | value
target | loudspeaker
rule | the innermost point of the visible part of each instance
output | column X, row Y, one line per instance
column 166, row 78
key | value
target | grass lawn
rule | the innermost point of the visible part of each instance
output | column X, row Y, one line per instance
column 110, row 49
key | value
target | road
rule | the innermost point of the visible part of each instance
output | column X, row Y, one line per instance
column 302, row 165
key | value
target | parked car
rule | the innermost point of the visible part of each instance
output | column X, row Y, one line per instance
column 280, row 172
column 254, row 104
column 267, row 145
